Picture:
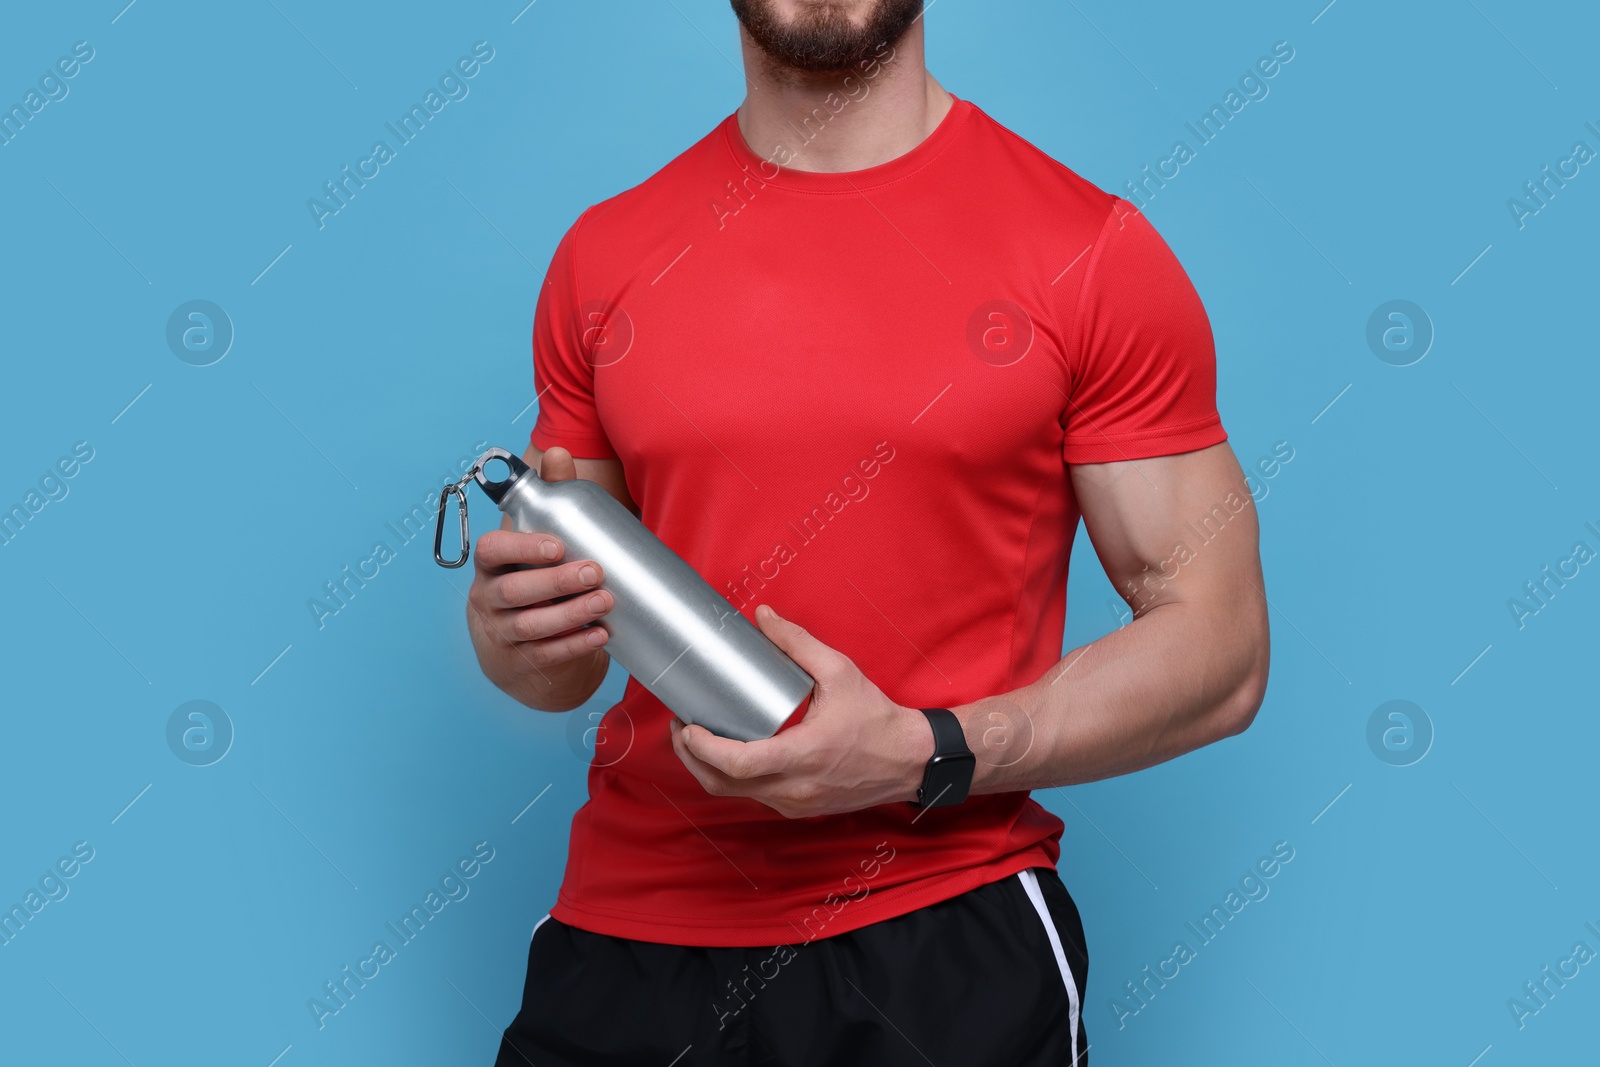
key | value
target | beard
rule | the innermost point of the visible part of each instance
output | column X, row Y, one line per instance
column 821, row 39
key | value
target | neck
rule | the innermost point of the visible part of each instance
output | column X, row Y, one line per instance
column 846, row 121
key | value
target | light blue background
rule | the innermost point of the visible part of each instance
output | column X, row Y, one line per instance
column 381, row 349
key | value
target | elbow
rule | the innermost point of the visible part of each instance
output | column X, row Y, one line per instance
column 1246, row 701
column 1239, row 710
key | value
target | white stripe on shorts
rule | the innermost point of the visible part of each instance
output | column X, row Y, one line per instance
column 1030, row 884
column 537, row 925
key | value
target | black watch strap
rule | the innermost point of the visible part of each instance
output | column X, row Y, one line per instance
column 948, row 776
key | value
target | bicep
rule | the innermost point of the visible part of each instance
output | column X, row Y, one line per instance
column 606, row 472
column 1177, row 528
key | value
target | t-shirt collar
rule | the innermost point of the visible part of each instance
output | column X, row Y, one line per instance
column 774, row 174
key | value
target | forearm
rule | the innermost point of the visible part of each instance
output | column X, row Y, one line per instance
column 1175, row 679
column 1191, row 667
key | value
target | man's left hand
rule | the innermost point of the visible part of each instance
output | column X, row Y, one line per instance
column 853, row 748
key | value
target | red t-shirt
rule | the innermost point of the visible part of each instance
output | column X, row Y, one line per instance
column 854, row 396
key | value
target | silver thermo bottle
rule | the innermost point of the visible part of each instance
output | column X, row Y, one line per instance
column 674, row 633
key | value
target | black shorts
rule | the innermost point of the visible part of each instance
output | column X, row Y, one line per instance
column 994, row 976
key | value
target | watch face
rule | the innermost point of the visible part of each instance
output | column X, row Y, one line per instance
column 948, row 779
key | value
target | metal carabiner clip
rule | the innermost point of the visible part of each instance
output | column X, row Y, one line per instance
column 438, row 532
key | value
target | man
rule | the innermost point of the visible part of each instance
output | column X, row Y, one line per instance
column 863, row 357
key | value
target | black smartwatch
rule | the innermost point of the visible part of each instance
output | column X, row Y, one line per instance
column 949, row 773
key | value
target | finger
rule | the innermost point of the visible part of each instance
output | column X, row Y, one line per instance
column 500, row 550
column 557, row 465
column 553, row 620
column 553, row 651
column 816, row 658
column 741, row 760
column 563, row 644
column 525, row 588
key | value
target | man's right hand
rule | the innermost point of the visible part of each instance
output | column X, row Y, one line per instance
column 544, row 611
column 530, row 610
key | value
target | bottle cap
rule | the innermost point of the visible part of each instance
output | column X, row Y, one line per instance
column 498, row 489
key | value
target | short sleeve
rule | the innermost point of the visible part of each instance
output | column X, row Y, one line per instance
column 1142, row 360
column 563, row 372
